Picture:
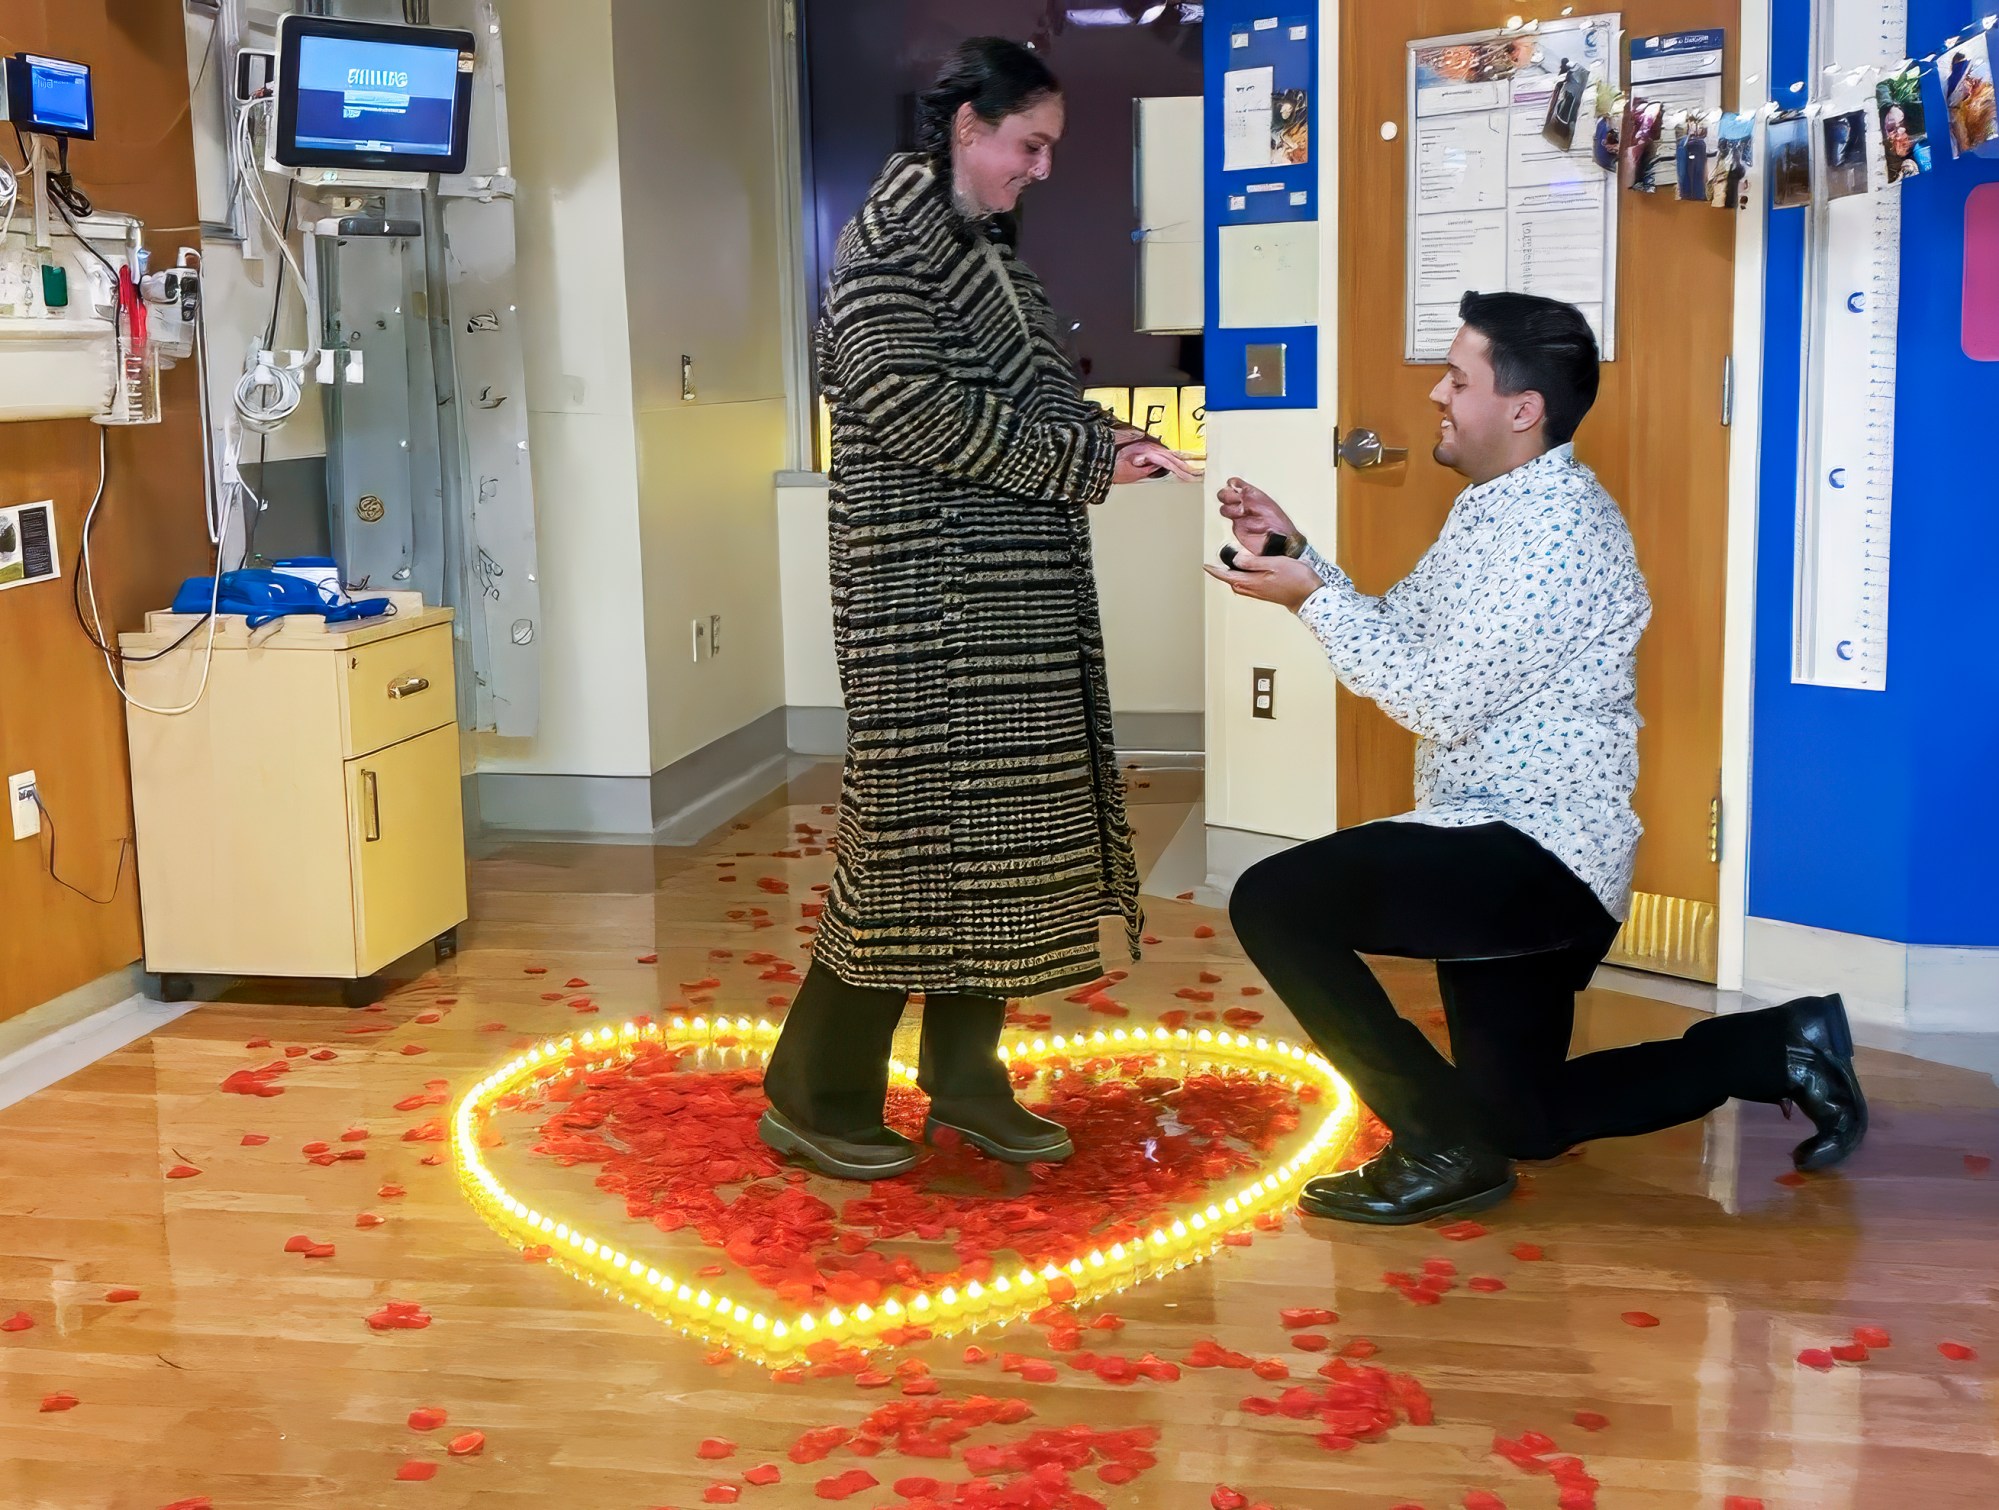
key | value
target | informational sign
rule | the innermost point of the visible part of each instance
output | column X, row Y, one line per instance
column 1853, row 287
column 28, row 545
column 1681, row 71
column 1497, row 200
column 1267, row 131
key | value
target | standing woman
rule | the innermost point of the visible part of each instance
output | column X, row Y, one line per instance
column 982, row 831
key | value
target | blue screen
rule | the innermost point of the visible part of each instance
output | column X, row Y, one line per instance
column 61, row 94
column 375, row 97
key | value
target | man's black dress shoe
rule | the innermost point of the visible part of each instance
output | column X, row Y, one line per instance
column 1399, row 1188
column 870, row 1153
column 999, row 1126
column 1820, row 1082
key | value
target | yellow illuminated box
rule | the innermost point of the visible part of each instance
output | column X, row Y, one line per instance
column 1156, row 411
column 1194, row 422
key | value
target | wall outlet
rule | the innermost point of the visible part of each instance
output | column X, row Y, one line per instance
column 21, row 800
column 714, row 634
column 700, row 640
column 1264, row 692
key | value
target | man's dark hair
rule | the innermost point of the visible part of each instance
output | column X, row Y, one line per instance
column 1539, row 346
column 993, row 75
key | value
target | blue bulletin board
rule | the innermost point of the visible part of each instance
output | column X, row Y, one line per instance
column 1262, row 142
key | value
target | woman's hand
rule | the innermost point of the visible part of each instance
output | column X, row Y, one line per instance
column 1144, row 459
column 1254, row 514
column 1270, row 579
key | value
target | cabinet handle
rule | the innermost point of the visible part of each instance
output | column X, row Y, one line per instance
column 408, row 686
column 371, row 789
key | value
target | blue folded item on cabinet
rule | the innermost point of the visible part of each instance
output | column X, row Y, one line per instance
column 264, row 596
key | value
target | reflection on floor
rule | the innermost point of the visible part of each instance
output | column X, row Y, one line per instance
column 236, row 1260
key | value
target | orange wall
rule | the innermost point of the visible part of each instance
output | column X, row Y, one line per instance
column 59, row 714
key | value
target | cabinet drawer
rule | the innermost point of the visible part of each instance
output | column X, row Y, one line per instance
column 398, row 688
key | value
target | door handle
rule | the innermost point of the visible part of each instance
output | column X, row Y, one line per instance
column 1361, row 449
column 408, row 686
column 371, row 792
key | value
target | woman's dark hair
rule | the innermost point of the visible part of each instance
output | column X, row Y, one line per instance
column 996, row 77
column 1539, row 346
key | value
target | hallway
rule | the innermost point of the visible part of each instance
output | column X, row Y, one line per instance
column 1448, row 1343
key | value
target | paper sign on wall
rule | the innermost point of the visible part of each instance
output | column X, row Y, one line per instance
column 28, row 544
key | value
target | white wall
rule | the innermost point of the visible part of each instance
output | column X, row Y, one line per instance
column 1276, row 776
column 577, row 351
column 697, row 118
column 1148, row 541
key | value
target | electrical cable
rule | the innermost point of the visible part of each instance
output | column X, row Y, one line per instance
column 49, row 859
column 268, row 394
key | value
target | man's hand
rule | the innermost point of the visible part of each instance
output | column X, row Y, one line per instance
column 1145, row 459
column 1271, row 579
column 1255, row 515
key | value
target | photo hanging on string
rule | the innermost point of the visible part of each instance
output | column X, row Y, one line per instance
column 1845, row 138
column 1789, row 138
column 1728, row 168
column 1966, row 72
column 1905, row 136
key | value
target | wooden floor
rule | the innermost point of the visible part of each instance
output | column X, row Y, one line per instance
column 246, row 1376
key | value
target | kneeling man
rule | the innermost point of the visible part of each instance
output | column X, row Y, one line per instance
column 1510, row 652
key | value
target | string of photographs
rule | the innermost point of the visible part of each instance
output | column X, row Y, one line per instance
column 1872, row 131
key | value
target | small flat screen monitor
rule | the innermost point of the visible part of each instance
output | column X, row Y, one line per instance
column 372, row 98
column 50, row 97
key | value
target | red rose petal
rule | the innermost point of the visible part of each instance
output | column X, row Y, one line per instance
column 1792, row 1179
column 721, row 1494
column 427, row 1418
column 1204, row 932
column 1311, row 1342
column 1957, row 1352
column 368, row 1219
column 1589, row 1420
column 415, row 1472
column 763, row 1476
column 415, row 1048
column 1851, row 1352
column 1873, row 1336
column 427, row 1018
column 648, row 959
column 1225, row 1498
column 1529, row 1253
column 845, row 1485
column 255, row 1140
column 182, row 1172
column 1816, row 1357
column 1741, row 1502
column 1480, row 1499
column 61, row 1400
column 20, row 1321
column 918, row 1489
column 1461, row 1232
column 1640, row 1319
column 716, row 1448
column 1309, row 1316
column 1486, row 1285
column 466, row 1445
column 390, row 1192
column 1977, row 1163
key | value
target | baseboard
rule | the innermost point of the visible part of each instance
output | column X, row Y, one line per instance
column 48, row 1043
column 1231, row 852
column 1156, row 738
column 597, row 806
column 697, row 795
column 1918, row 988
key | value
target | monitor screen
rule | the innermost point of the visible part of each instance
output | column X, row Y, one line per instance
column 366, row 96
column 50, row 95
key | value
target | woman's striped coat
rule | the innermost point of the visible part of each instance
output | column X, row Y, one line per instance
column 982, row 826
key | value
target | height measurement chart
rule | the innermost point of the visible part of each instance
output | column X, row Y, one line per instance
column 1853, row 289
column 1494, row 202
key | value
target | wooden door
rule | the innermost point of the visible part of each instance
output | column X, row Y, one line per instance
column 1656, row 438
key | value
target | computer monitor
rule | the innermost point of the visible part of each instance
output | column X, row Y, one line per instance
column 372, row 98
column 50, row 97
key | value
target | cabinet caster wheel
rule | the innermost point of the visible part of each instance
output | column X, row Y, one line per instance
column 360, row 993
column 175, row 988
column 446, row 945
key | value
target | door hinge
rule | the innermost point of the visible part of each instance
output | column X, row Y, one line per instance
column 1714, row 832
column 1727, row 391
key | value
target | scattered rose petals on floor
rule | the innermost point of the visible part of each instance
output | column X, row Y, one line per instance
column 399, row 1315
column 1590, row 1420
column 466, row 1444
column 1977, row 1163
column 1461, row 1232
column 123, row 1295
column 60, row 1401
column 1957, row 1352
column 427, row 1418
column 716, row 1448
column 1741, row 1502
column 1873, row 1336
column 1528, row 1253
column 764, row 1475
column 182, row 1172
column 20, row 1321
column 1641, row 1319
column 1816, row 1357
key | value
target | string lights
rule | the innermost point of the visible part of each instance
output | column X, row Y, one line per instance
column 762, row 1334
